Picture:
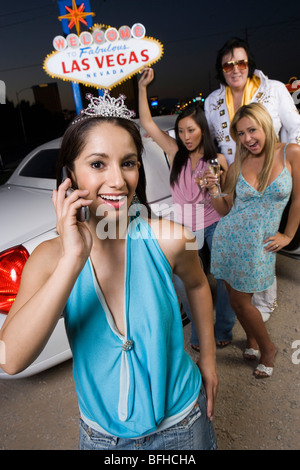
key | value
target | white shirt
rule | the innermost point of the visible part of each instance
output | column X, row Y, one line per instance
column 273, row 95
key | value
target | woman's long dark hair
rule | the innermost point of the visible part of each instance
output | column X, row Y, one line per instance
column 182, row 156
column 74, row 141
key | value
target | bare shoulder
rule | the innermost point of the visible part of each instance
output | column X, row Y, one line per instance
column 45, row 256
column 168, row 230
column 222, row 160
column 292, row 152
column 173, row 238
column 38, row 268
column 230, row 169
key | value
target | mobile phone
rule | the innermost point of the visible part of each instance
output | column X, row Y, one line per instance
column 83, row 214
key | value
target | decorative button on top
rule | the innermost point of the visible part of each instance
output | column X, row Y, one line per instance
column 127, row 345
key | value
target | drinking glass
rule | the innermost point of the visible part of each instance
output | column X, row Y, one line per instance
column 214, row 167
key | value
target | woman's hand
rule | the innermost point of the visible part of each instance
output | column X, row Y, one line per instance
column 211, row 384
column 276, row 242
column 146, row 78
column 75, row 236
column 211, row 181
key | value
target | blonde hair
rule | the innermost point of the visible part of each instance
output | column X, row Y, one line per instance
column 259, row 115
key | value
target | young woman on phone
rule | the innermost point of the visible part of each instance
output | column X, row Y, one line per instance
column 112, row 275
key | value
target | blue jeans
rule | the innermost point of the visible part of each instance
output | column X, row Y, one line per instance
column 194, row 432
column 225, row 316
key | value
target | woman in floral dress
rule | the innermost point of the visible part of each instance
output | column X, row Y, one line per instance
column 259, row 183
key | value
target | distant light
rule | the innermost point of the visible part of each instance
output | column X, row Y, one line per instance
column 154, row 103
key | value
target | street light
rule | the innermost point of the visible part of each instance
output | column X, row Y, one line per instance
column 20, row 111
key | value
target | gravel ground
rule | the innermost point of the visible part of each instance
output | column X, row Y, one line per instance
column 41, row 412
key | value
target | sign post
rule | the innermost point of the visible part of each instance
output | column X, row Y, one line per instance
column 63, row 6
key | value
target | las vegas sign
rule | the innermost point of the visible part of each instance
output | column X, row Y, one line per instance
column 104, row 56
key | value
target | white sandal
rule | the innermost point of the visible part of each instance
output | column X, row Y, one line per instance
column 252, row 353
column 267, row 371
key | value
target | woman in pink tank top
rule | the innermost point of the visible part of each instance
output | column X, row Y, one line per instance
column 188, row 153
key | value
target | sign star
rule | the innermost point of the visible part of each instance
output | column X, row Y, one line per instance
column 76, row 16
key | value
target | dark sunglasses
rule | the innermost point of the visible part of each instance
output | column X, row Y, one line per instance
column 229, row 66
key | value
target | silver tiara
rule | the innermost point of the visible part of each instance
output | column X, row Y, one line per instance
column 106, row 106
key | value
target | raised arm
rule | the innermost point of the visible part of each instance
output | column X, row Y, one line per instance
column 47, row 280
column 167, row 143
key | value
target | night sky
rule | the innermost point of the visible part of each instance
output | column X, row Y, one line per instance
column 191, row 33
